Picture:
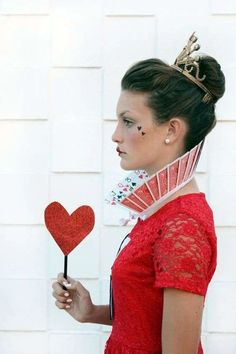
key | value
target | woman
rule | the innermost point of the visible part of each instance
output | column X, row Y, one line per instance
column 160, row 278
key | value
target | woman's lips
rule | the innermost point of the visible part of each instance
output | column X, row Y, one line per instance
column 120, row 151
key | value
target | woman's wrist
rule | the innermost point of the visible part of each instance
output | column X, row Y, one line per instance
column 99, row 314
column 91, row 316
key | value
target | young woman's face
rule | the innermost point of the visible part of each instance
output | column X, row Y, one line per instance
column 139, row 138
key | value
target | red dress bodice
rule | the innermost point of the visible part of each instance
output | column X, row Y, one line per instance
column 174, row 248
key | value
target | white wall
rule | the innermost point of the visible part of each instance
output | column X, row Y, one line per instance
column 60, row 68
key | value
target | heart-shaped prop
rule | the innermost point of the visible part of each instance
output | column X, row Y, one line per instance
column 68, row 230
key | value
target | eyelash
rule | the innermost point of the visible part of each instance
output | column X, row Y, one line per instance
column 127, row 122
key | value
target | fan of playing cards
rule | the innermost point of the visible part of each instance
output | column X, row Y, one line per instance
column 139, row 192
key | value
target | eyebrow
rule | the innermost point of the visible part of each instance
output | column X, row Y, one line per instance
column 122, row 114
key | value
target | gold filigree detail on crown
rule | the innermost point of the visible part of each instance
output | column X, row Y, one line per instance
column 189, row 66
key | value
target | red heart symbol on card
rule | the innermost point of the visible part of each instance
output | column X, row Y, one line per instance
column 68, row 230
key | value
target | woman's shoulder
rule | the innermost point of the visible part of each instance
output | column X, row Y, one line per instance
column 190, row 212
column 192, row 206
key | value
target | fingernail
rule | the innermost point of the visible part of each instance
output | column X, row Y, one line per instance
column 67, row 306
column 67, row 285
column 68, row 300
column 66, row 294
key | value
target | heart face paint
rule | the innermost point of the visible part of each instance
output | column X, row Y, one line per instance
column 142, row 132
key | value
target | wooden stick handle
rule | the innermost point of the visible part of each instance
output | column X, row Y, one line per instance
column 65, row 266
column 65, row 269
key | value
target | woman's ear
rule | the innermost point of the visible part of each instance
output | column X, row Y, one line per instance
column 177, row 129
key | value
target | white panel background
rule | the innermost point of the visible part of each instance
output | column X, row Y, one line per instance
column 61, row 62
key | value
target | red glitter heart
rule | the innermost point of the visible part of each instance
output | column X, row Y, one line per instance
column 68, row 230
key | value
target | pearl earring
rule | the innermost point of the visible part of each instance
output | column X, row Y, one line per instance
column 167, row 140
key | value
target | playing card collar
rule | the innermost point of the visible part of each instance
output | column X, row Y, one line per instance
column 142, row 194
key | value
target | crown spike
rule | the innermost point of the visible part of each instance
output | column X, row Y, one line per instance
column 189, row 66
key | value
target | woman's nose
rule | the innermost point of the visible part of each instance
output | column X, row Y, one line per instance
column 116, row 136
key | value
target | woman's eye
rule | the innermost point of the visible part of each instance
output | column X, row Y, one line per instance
column 127, row 122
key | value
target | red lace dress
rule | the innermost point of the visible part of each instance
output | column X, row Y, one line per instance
column 173, row 248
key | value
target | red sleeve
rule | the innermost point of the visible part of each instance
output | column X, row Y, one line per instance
column 182, row 254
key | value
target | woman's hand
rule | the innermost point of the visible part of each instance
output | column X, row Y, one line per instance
column 75, row 300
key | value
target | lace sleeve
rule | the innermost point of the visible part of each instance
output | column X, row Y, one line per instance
column 182, row 254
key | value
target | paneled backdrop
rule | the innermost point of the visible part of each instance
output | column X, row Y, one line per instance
column 61, row 62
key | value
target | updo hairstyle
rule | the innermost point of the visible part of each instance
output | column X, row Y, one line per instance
column 171, row 94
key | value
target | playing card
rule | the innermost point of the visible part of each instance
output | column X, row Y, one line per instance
column 132, row 205
column 162, row 176
column 137, row 201
column 182, row 167
column 143, row 192
column 173, row 175
column 128, row 184
column 153, row 184
column 111, row 200
column 191, row 160
column 196, row 157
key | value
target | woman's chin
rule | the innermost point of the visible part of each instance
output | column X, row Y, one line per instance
column 128, row 167
column 125, row 168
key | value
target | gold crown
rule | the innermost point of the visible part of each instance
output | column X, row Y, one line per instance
column 192, row 64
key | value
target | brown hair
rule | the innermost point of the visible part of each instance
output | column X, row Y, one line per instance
column 171, row 94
